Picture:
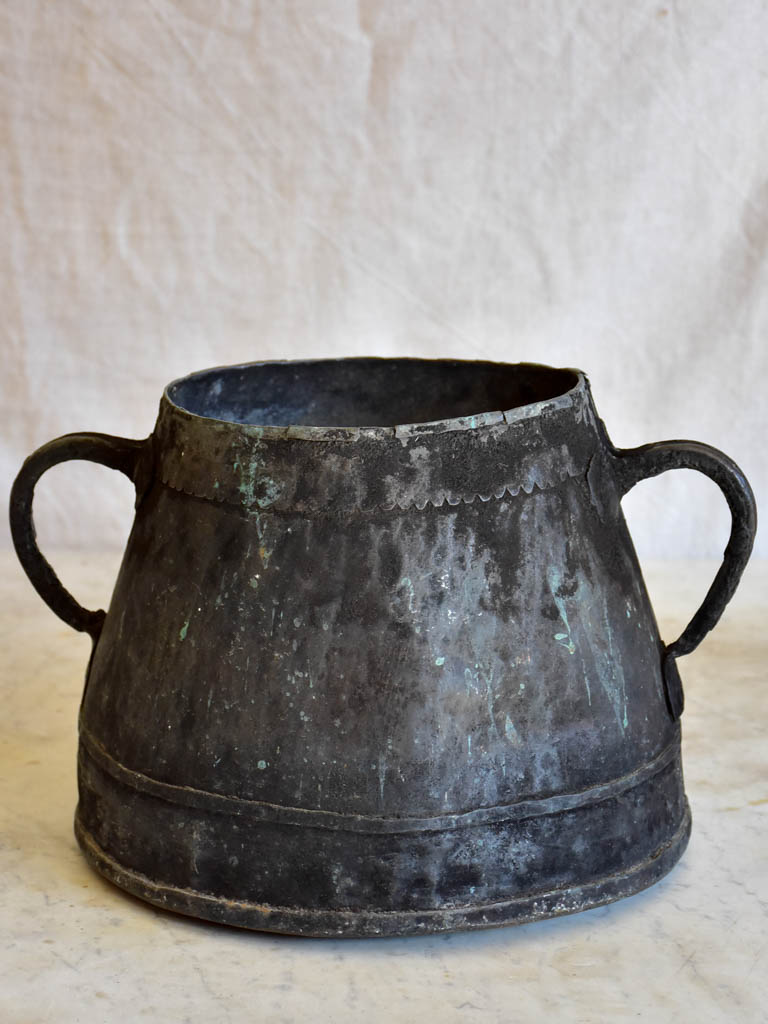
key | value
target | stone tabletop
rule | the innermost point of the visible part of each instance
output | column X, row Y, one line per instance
column 693, row 948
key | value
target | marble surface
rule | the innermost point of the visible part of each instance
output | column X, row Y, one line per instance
column 692, row 948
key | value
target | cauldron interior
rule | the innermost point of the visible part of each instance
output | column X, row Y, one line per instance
column 365, row 392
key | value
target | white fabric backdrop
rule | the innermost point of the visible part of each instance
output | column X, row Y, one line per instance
column 192, row 183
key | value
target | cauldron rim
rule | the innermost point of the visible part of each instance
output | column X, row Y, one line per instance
column 171, row 404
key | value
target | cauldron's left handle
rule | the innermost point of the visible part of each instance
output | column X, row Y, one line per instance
column 635, row 464
column 118, row 453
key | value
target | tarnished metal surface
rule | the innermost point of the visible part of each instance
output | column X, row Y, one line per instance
column 360, row 677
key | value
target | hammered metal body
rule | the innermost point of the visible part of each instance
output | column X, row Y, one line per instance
column 378, row 680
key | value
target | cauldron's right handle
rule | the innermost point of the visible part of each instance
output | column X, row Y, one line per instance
column 635, row 464
column 118, row 453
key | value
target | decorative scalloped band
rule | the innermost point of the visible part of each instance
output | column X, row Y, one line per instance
column 439, row 501
column 230, row 465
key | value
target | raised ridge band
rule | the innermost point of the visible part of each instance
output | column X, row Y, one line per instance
column 187, row 796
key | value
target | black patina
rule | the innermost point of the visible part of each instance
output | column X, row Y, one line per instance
column 380, row 659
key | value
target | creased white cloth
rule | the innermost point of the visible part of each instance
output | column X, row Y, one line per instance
column 192, row 183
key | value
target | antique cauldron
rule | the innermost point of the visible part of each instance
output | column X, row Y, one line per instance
column 380, row 659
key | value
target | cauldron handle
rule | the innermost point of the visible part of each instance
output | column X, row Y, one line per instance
column 116, row 453
column 635, row 464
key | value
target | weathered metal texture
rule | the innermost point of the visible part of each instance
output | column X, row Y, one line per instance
column 374, row 679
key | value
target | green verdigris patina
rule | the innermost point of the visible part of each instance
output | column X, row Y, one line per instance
column 380, row 659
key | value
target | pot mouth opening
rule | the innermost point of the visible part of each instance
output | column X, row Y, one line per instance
column 370, row 395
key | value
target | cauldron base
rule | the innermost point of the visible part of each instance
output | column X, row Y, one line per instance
column 363, row 924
